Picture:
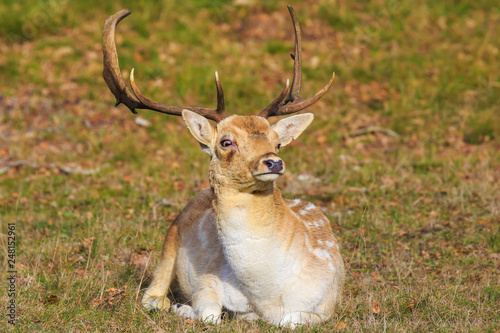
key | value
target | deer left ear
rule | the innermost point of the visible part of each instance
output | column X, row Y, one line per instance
column 201, row 130
column 289, row 129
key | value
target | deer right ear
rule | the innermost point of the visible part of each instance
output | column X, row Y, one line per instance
column 201, row 130
column 289, row 129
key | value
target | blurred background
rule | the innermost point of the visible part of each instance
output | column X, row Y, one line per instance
column 402, row 155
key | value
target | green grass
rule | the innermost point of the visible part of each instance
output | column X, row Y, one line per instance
column 417, row 217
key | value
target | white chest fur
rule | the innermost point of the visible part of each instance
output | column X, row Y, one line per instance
column 256, row 256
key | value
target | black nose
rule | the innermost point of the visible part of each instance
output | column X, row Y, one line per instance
column 274, row 166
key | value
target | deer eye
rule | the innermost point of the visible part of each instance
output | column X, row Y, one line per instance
column 226, row 143
column 278, row 147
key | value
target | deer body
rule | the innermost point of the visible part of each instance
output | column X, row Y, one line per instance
column 239, row 245
column 247, row 249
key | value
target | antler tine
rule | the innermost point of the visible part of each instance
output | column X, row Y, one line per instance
column 221, row 107
column 265, row 113
column 293, row 102
column 301, row 103
column 111, row 72
column 294, row 93
column 134, row 99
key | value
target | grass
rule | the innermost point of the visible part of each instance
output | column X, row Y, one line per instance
column 418, row 217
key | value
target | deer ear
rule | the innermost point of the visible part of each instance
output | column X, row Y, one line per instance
column 201, row 130
column 289, row 129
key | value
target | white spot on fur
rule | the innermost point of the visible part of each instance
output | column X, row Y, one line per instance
column 310, row 206
column 295, row 202
column 319, row 223
column 307, row 209
column 308, row 244
column 329, row 243
column 322, row 254
column 331, row 266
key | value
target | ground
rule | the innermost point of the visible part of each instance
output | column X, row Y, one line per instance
column 403, row 155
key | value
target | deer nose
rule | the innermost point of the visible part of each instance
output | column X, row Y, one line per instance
column 274, row 166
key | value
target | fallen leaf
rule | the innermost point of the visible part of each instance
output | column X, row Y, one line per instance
column 376, row 308
column 82, row 272
column 87, row 242
column 321, row 139
column 189, row 321
column 52, row 299
column 179, row 186
column 361, row 231
column 412, row 304
column 388, row 181
column 340, row 325
column 139, row 260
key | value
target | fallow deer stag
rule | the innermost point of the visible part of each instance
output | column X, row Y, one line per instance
column 239, row 245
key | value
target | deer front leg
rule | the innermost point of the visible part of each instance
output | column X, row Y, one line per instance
column 295, row 319
column 206, row 300
column 155, row 296
column 151, row 303
column 207, row 307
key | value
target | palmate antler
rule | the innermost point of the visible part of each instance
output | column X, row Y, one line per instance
column 293, row 102
column 134, row 99
column 288, row 102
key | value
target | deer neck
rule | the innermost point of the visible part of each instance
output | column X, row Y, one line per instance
column 254, row 230
column 247, row 214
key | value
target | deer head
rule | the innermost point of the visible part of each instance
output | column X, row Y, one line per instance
column 244, row 150
column 288, row 102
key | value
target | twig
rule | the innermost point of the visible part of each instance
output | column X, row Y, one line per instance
column 108, row 300
column 373, row 129
column 65, row 169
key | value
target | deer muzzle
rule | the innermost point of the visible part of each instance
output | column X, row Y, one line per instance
column 269, row 168
column 274, row 166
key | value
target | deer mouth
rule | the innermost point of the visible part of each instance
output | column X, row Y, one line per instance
column 268, row 176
